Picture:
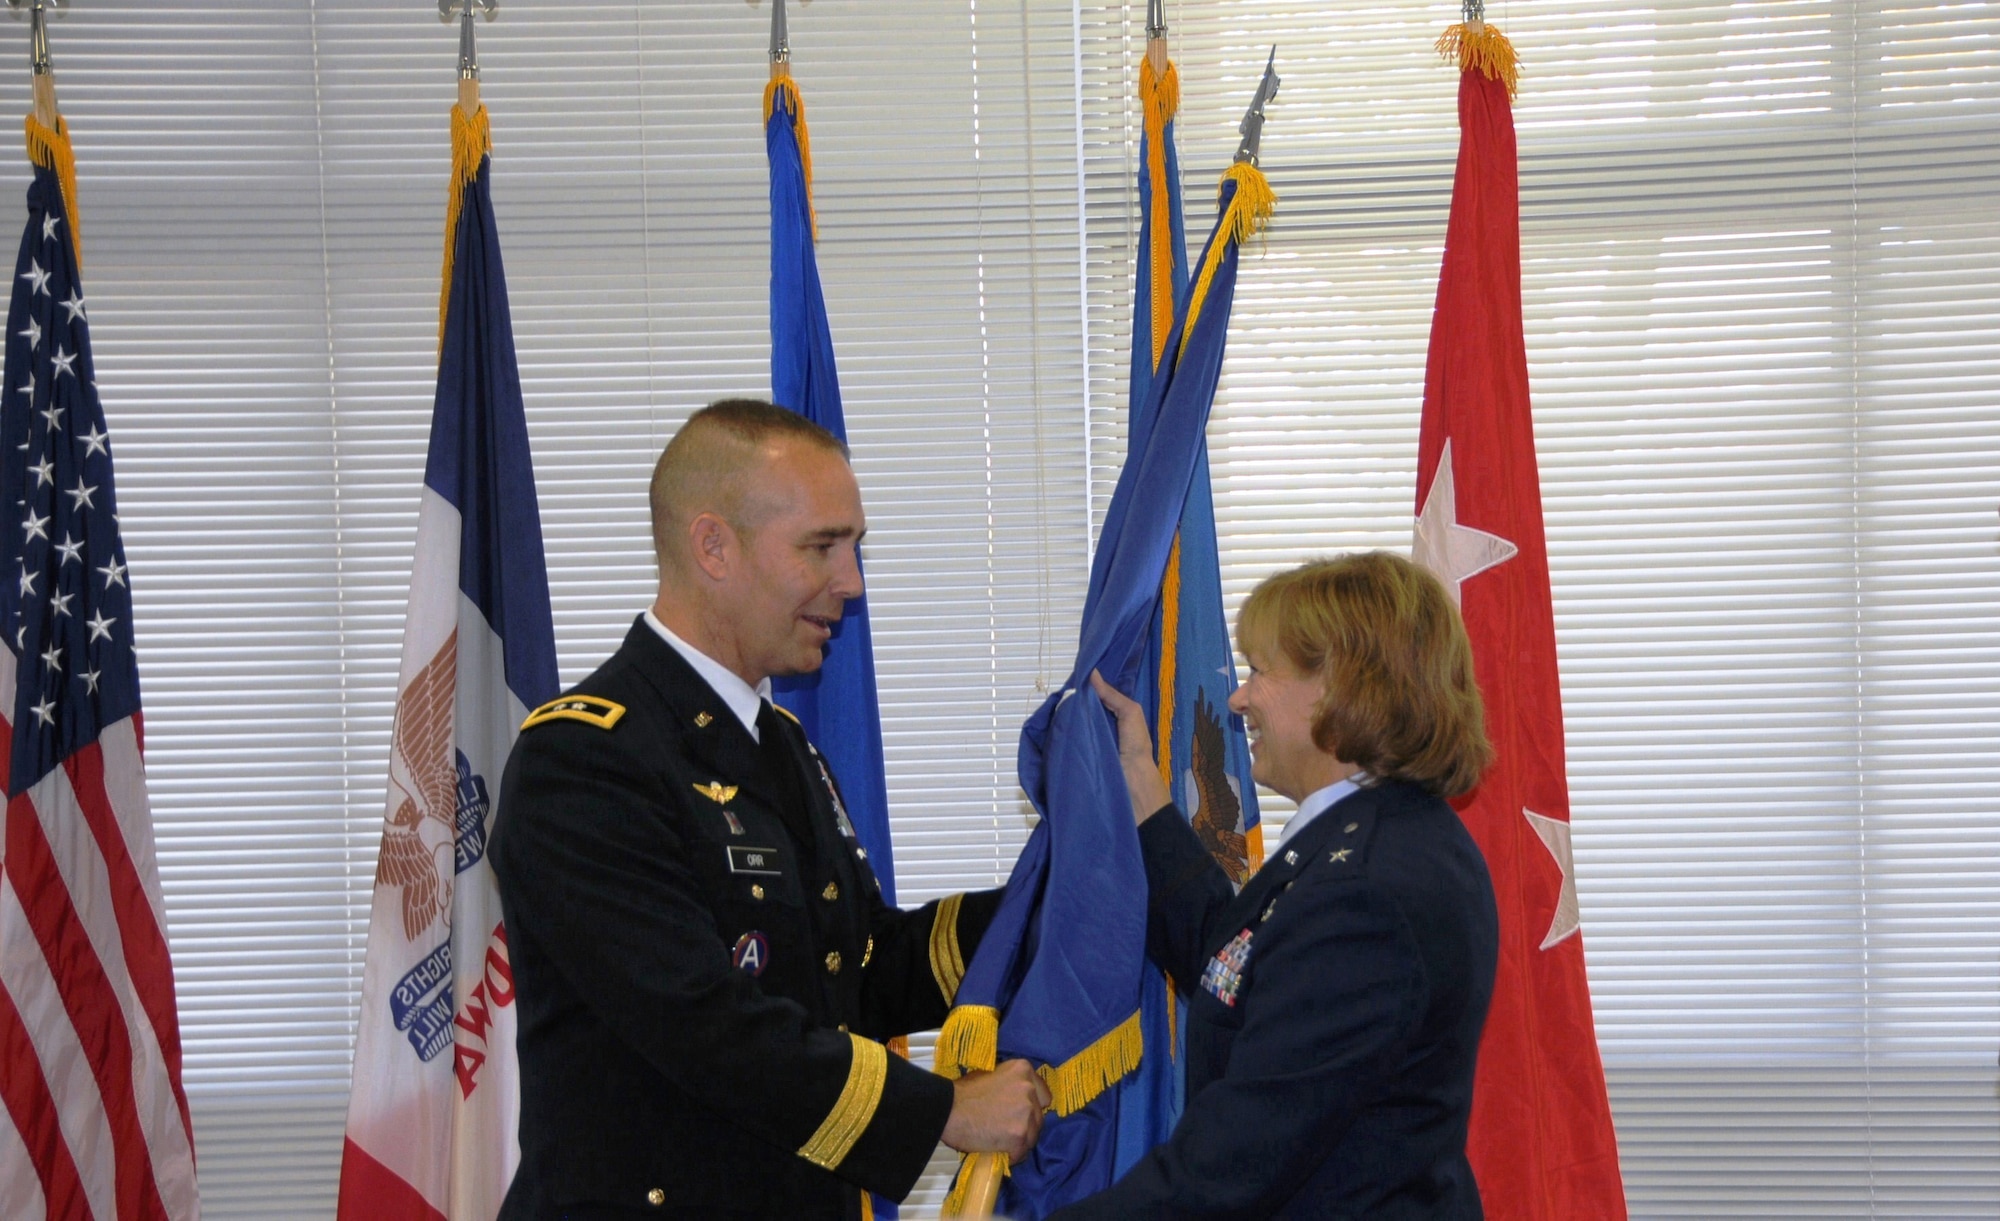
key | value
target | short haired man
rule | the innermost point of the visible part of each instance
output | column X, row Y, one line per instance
column 704, row 964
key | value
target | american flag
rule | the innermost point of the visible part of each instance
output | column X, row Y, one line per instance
column 90, row 1056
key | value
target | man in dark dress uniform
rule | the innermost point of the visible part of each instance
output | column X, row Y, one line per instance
column 705, row 969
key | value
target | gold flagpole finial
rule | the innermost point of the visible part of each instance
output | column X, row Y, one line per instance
column 463, row 11
column 38, row 54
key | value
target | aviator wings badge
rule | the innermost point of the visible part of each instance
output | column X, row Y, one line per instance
column 716, row 792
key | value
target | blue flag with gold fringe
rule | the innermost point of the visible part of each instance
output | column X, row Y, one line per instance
column 1190, row 671
column 837, row 705
column 1057, row 978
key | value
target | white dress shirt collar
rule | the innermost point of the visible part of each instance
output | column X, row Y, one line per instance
column 742, row 699
column 1319, row 802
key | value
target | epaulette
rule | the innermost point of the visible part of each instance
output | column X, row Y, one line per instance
column 589, row 709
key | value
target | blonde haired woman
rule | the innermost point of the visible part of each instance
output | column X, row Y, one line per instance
column 1335, row 1005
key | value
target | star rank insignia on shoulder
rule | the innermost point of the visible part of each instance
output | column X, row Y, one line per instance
column 589, row 709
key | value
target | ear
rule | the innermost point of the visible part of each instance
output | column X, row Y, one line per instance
column 713, row 545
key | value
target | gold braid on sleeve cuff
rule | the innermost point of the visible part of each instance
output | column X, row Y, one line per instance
column 946, row 962
column 856, row 1105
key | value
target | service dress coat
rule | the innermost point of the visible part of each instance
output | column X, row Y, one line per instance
column 1333, row 1019
column 706, row 972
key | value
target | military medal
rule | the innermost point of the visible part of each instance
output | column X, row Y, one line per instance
column 1223, row 977
column 839, row 810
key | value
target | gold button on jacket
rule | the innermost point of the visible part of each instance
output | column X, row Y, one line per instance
column 833, row 963
column 656, row 1197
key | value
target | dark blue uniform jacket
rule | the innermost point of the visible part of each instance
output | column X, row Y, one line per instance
column 705, row 969
column 1333, row 1018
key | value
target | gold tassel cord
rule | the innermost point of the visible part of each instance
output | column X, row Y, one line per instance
column 1482, row 46
column 969, row 1041
column 1249, row 211
column 796, row 104
column 1160, row 98
column 49, row 148
column 471, row 142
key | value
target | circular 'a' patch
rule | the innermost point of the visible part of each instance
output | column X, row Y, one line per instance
column 752, row 953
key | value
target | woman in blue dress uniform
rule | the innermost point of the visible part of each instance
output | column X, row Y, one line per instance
column 1335, row 1005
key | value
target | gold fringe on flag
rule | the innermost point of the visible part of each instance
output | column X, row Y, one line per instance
column 1248, row 213
column 1482, row 46
column 1160, row 98
column 969, row 1041
column 1088, row 1073
column 790, row 87
column 49, row 148
column 471, row 142
column 1072, row 1084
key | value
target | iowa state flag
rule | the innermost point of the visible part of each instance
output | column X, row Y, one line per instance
column 1542, row 1145
column 432, row 1122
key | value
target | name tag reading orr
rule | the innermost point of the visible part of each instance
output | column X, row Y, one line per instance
column 753, row 860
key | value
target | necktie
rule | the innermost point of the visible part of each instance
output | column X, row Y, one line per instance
column 781, row 764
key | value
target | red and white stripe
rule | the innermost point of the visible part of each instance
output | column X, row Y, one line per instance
column 90, row 1058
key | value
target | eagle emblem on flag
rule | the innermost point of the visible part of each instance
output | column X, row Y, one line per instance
column 423, row 769
column 1217, row 807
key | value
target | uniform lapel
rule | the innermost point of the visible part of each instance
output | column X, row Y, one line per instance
column 1282, row 867
column 715, row 739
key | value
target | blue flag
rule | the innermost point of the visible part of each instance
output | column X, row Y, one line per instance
column 837, row 704
column 1190, row 670
column 1057, row 977
column 434, row 1110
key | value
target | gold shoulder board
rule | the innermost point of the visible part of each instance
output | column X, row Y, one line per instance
column 586, row 708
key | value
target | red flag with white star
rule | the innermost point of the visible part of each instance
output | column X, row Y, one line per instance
column 1542, row 1144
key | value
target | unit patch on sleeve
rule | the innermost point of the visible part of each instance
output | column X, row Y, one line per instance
column 589, row 709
